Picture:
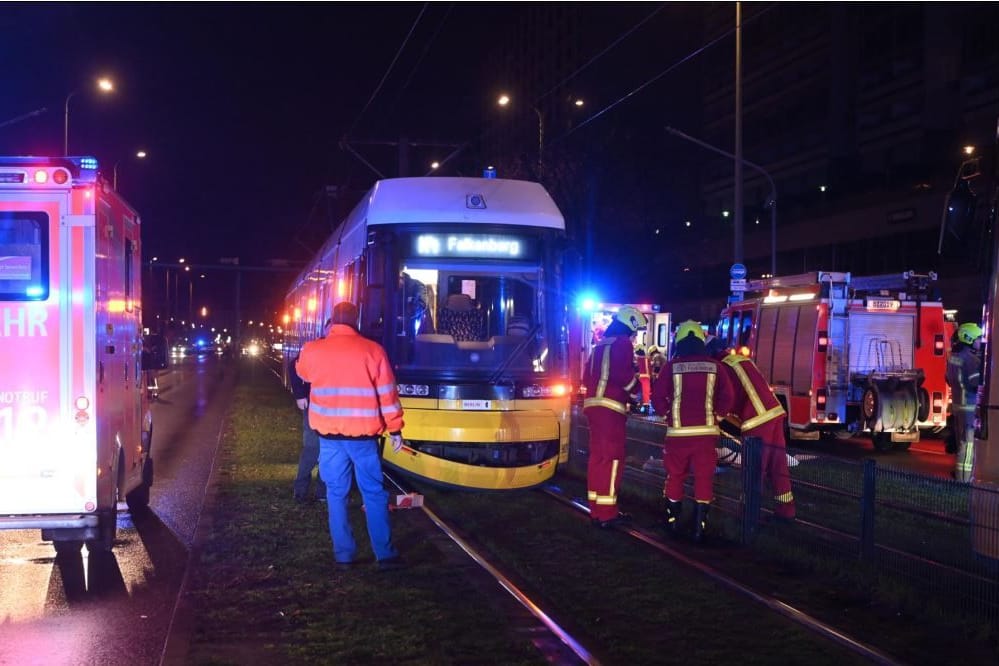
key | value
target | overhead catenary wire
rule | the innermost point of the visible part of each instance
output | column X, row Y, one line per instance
column 658, row 76
column 387, row 71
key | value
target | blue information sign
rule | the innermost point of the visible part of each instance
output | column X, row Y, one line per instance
column 737, row 272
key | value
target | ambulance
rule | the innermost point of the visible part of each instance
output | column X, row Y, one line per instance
column 848, row 354
column 652, row 344
column 75, row 427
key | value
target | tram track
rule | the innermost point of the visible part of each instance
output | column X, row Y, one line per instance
column 772, row 603
column 570, row 646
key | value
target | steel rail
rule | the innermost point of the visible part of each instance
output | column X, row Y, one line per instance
column 794, row 614
column 567, row 639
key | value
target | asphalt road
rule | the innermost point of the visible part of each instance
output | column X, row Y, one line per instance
column 118, row 608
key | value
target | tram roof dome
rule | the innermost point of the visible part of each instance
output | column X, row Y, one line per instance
column 461, row 200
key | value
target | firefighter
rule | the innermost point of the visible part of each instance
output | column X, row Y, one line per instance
column 611, row 384
column 761, row 415
column 964, row 369
column 692, row 388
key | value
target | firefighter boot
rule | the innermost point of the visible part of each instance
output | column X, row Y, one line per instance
column 672, row 521
column 701, row 522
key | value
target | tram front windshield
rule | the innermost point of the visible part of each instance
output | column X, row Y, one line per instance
column 471, row 320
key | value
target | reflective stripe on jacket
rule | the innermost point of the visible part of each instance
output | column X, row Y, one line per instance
column 756, row 403
column 354, row 392
column 609, row 376
column 690, row 393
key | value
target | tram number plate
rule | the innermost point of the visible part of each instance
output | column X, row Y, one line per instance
column 476, row 404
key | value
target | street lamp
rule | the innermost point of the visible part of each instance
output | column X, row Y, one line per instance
column 114, row 179
column 772, row 204
column 504, row 101
column 104, row 85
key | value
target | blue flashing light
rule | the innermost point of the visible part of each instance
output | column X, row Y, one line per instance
column 587, row 302
column 88, row 162
column 34, row 291
column 489, row 172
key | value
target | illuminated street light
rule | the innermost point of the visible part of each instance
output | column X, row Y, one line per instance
column 435, row 164
column 969, row 150
column 578, row 102
column 104, row 85
column 114, row 179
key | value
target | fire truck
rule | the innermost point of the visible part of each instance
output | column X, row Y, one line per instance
column 652, row 345
column 75, row 428
column 848, row 354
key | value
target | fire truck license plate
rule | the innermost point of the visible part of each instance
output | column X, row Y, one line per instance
column 475, row 404
column 882, row 304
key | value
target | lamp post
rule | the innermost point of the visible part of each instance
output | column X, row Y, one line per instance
column 104, row 85
column 504, row 101
column 772, row 204
column 114, row 178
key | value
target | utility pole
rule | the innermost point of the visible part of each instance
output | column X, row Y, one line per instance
column 738, row 133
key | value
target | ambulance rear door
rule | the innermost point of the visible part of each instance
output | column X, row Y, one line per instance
column 47, row 436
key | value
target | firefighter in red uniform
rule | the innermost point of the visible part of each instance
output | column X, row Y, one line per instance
column 611, row 384
column 761, row 415
column 691, row 390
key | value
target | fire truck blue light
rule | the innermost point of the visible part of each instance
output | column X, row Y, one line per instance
column 88, row 162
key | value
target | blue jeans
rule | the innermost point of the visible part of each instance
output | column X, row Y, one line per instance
column 337, row 459
column 308, row 460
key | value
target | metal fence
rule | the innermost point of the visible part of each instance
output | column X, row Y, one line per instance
column 928, row 544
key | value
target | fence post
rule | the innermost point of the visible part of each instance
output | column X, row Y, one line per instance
column 867, row 498
column 752, row 480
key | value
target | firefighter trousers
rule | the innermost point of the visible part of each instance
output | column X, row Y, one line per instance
column 774, row 465
column 964, row 436
column 683, row 454
column 606, row 463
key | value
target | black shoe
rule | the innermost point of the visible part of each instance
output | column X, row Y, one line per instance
column 391, row 564
column 619, row 519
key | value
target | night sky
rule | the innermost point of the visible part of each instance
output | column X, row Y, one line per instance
column 242, row 107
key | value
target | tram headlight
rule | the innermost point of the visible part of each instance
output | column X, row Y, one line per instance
column 549, row 391
column 421, row 390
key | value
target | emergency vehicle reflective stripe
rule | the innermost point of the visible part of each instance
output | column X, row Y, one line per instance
column 786, row 498
column 769, row 415
column 605, row 402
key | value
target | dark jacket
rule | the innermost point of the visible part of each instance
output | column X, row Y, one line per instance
column 299, row 387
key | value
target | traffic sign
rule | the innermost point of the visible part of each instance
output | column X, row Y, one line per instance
column 737, row 285
column 738, row 272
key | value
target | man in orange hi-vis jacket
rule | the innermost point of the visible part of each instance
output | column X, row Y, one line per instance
column 691, row 390
column 353, row 401
column 611, row 383
column 761, row 415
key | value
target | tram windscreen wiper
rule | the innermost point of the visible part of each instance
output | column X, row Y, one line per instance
column 517, row 351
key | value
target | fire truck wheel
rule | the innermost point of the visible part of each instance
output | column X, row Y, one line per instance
column 65, row 548
column 882, row 441
column 869, row 406
column 923, row 412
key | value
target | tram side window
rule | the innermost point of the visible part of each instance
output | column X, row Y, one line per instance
column 24, row 256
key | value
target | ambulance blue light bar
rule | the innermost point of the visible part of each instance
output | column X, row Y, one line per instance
column 88, row 162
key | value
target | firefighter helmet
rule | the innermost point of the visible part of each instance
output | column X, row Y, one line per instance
column 968, row 333
column 632, row 318
column 689, row 327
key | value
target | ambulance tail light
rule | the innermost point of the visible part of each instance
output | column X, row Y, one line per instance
column 938, row 344
column 41, row 177
column 82, row 404
column 823, row 342
column 820, row 399
column 60, row 176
